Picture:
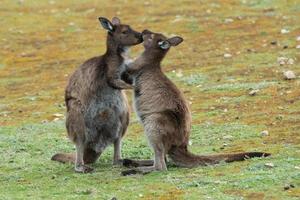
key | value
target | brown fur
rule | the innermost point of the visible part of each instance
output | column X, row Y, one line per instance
column 97, row 110
column 164, row 113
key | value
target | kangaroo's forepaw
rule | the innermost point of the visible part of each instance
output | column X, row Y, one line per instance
column 83, row 169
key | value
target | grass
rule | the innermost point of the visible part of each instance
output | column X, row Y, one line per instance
column 42, row 42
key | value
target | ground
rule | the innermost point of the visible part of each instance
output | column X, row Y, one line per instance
column 230, row 48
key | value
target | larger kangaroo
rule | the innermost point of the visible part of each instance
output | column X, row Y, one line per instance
column 97, row 110
column 164, row 113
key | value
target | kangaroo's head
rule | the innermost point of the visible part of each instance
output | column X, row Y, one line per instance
column 121, row 35
column 156, row 43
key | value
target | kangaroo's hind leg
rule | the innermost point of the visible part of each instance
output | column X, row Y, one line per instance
column 80, row 166
column 117, row 152
column 124, row 121
column 155, row 133
column 117, row 159
column 159, row 163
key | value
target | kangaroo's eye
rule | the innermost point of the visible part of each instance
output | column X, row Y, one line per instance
column 125, row 32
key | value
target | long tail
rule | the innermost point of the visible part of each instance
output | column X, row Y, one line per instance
column 182, row 157
column 64, row 157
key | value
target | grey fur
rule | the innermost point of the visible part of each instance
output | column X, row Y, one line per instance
column 97, row 109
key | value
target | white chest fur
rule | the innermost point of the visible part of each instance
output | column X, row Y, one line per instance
column 126, row 58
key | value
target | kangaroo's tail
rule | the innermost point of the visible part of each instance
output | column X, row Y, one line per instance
column 182, row 157
column 64, row 157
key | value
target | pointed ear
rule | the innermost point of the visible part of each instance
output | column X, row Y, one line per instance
column 174, row 41
column 115, row 21
column 164, row 44
column 106, row 24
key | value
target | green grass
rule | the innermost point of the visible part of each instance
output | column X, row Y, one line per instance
column 28, row 172
column 237, row 86
column 42, row 42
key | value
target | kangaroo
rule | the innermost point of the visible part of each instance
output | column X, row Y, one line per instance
column 97, row 109
column 164, row 112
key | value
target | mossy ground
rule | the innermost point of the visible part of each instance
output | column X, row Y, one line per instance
column 42, row 42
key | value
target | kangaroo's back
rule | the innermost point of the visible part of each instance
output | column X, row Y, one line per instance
column 85, row 80
column 156, row 93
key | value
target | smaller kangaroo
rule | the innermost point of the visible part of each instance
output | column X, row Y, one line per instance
column 97, row 109
column 164, row 113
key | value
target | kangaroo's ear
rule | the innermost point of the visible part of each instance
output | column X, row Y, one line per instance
column 115, row 21
column 165, row 44
column 174, row 41
column 106, row 24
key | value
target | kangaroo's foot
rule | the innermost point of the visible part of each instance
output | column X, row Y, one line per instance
column 83, row 169
column 118, row 162
column 143, row 170
column 137, row 163
column 80, row 166
column 138, row 170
